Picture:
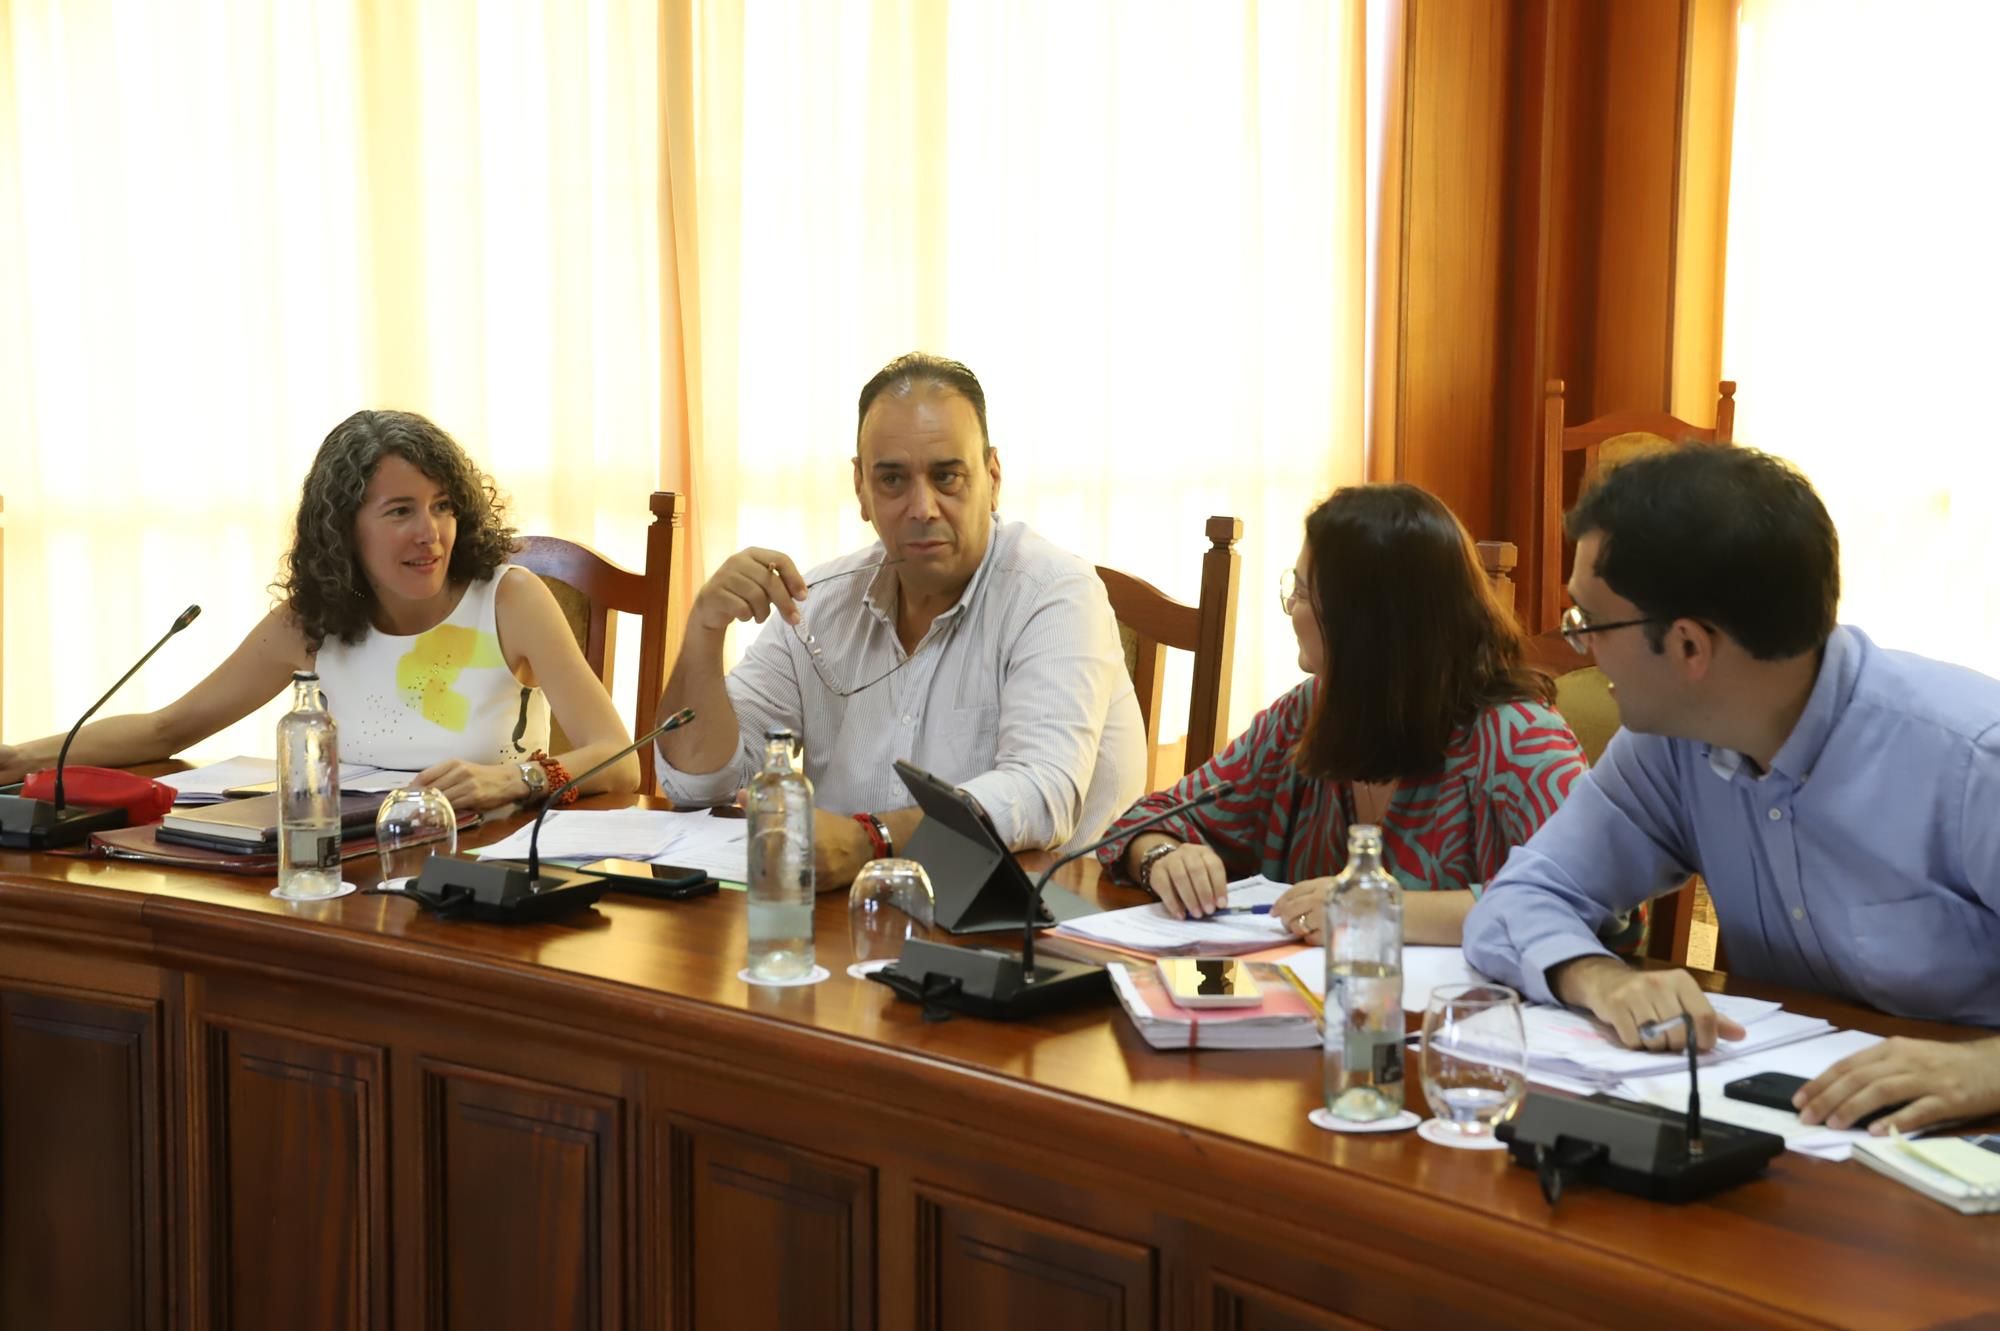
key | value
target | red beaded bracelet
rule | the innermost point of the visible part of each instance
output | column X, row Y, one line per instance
column 878, row 835
column 558, row 776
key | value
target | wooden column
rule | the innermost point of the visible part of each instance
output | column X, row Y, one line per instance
column 1552, row 207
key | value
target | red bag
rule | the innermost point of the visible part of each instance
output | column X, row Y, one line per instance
column 143, row 799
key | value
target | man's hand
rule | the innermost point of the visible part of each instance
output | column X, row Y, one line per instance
column 840, row 848
column 749, row 585
column 13, row 765
column 1933, row 1080
column 1189, row 880
column 1626, row 999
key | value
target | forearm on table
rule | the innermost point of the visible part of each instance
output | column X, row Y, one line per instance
column 1436, row 918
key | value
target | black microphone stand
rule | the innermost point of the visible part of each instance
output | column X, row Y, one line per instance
column 47, row 824
column 507, row 892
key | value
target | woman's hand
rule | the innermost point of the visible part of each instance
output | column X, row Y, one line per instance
column 1303, row 909
column 1189, row 880
column 475, row 787
column 13, row 765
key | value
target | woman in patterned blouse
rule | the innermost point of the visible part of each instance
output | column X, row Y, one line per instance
column 1420, row 716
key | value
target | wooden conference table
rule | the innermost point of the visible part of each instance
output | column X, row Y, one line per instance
column 218, row 1110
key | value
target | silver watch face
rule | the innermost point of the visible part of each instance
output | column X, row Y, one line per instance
column 536, row 776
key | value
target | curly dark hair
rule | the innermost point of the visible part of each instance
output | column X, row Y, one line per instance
column 1417, row 644
column 320, row 581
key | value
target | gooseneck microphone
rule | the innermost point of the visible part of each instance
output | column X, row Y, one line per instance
column 510, row 893
column 1209, row 796
column 37, row 824
column 187, row 617
column 674, row 722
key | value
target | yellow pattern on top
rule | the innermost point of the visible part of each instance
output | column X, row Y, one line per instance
column 425, row 674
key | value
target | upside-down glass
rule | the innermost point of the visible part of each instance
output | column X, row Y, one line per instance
column 411, row 826
column 889, row 904
column 1475, row 1057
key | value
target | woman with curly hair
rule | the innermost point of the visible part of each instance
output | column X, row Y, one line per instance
column 434, row 653
column 1420, row 717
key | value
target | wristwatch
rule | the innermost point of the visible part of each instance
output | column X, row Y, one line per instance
column 1149, row 859
column 536, row 777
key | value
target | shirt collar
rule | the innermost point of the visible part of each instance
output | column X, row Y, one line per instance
column 883, row 589
column 1832, row 687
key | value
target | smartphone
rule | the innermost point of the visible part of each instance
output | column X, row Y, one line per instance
column 669, row 881
column 1210, row 982
column 1774, row 1090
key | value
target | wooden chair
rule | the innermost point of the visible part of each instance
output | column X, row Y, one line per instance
column 1499, row 559
column 1585, row 701
column 593, row 591
column 1575, row 453
column 3, row 614
column 1150, row 622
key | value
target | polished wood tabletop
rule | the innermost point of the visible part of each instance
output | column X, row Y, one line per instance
column 1809, row 1243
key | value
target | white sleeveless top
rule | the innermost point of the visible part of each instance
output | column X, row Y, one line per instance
column 408, row 703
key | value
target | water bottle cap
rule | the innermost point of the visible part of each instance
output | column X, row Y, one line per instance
column 778, row 733
column 298, row 675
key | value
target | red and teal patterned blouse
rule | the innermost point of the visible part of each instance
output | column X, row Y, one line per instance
column 1502, row 777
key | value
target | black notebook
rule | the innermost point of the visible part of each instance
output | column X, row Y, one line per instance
column 250, row 826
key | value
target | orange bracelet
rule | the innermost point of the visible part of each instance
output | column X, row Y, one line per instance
column 558, row 775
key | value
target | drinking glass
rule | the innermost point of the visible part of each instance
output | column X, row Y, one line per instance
column 412, row 826
column 889, row 904
column 1475, row 1058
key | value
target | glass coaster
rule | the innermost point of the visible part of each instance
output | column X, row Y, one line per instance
column 1439, row 1133
column 861, row 970
column 346, row 888
column 1402, row 1122
column 813, row 976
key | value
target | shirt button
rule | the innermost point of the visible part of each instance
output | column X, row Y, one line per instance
column 909, row 720
column 1775, row 815
column 1798, row 912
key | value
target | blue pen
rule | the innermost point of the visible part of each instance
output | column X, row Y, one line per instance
column 1264, row 909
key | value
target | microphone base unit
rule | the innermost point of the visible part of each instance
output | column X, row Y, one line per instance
column 27, row 824
column 981, row 982
column 501, row 892
column 1630, row 1147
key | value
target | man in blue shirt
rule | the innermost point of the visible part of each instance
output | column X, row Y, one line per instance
column 1842, row 801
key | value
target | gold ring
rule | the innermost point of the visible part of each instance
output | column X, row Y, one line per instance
column 1298, row 924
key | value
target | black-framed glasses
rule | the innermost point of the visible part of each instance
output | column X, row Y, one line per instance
column 1575, row 626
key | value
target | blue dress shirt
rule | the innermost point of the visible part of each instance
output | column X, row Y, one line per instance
column 1864, row 863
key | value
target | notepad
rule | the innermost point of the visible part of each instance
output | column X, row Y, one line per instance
column 1954, row 1170
column 1149, row 929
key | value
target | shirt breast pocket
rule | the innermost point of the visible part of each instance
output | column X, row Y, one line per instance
column 969, row 737
column 1929, row 956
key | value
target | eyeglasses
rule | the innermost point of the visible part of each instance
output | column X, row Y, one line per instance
column 1289, row 591
column 1575, row 626
column 817, row 655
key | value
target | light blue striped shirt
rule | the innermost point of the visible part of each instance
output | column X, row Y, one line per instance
column 1865, row 863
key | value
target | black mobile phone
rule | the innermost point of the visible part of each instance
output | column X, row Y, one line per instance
column 640, row 878
column 1774, row 1090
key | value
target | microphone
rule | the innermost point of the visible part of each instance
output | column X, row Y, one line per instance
column 509, row 893
column 988, row 983
column 674, row 722
column 43, row 824
column 1208, row 796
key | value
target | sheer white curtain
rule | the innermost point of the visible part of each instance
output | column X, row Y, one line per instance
column 1139, row 223
column 223, row 227
column 1862, row 279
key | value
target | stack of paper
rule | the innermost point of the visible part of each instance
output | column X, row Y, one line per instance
column 1805, row 1058
column 208, row 785
column 716, row 846
column 1578, row 1048
column 1424, row 969
column 1285, row 1020
column 1151, row 930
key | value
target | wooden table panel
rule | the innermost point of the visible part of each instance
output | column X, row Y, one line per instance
column 1074, row 1145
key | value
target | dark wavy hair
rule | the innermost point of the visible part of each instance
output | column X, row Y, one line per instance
column 321, row 582
column 1417, row 644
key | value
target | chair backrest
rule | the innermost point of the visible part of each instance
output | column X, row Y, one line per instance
column 593, row 592
column 1573, row 455
column 3, row 614
column 1150, row 622
column 1499, row 559
column 1586, row 703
